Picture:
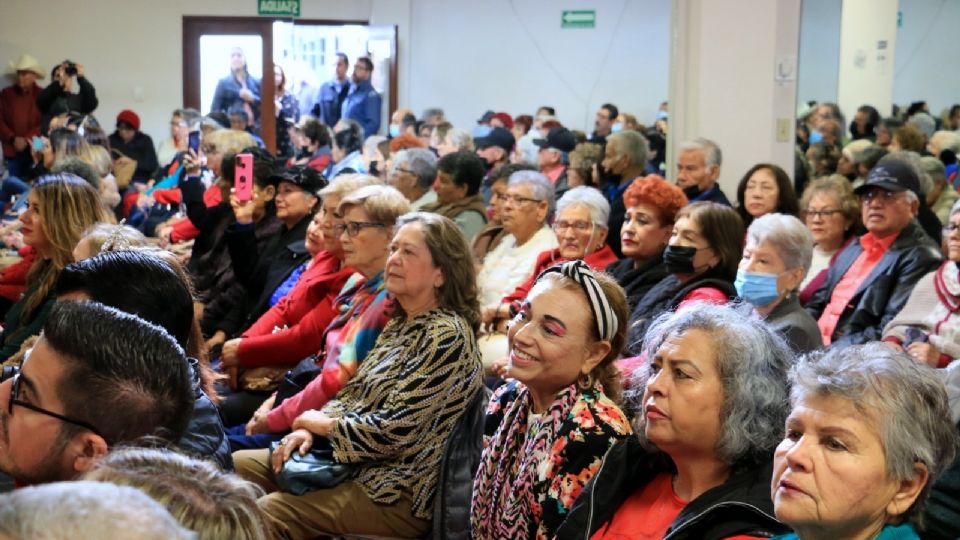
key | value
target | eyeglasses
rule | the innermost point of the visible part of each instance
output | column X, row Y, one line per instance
column 402, row 170
column 15, row 391
column 821, row 213
column 579, row 225
column 950, row 228
column 516, row 199
column 353, row 227
column 880, row 194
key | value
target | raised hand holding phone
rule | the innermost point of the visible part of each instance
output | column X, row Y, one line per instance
column 243, row 178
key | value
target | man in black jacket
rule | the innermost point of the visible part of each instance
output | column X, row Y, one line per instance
column 872, row 277
column 69, row 91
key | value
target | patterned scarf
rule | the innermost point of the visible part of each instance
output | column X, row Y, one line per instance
column 505, row 495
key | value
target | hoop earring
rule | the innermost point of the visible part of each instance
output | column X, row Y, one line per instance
column 585, row 381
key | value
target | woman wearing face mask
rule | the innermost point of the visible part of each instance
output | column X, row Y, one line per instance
column 314, row 143
column 702, row 258
column 775, row 261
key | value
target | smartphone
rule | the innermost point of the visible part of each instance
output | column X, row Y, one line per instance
column 37, row 144
column 193, row 142
column 243, row 177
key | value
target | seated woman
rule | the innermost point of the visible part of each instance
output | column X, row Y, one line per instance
column 868, row 433
column 775, row 260
column 490, row 236
column 365, row 227
column 346, row 153
column 702, row 257
column 458, row 192
column 104, row 237
column 550, row 425
column 928, row 326
column 832, row 213
column 714, row 401
column 313, row 145
column 61, row 207
column 765, row 189
column 652, row 205
column 393, row 418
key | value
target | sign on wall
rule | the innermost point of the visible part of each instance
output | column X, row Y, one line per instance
column 578, row 18
column 283, row 8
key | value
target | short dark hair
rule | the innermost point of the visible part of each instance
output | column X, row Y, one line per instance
column 79, row 167
column 316, row 131
column 122, row 374
column 348, row 141
column 550, row 110
column 367, row 63
column 612, row 109
column 465, row 168
column 240, row 113
column 723, row 230
column 344, row 56
column 503, row 172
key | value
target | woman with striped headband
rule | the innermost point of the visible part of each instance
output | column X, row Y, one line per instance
column 549, row 426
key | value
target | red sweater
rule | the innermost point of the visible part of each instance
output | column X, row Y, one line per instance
column 598, row 260
column 306, row 311
column 19, row 116
column 13, row 279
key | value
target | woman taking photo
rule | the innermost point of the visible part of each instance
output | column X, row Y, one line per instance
column 557, row 413
column 391, row 421
column 60, row 207
column 652, row 205
column 714, row 401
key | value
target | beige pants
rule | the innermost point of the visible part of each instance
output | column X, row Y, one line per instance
column 344, row 509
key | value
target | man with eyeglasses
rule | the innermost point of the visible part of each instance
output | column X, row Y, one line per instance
column 95, row 379
column 413, row 172
column 873, row 276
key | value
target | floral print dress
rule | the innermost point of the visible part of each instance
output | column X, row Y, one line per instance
column 534, row 467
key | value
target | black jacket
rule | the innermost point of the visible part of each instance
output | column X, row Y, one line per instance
column 884, row 292
column 53, row 100
column 204, row 438
column 637, row 281
column 140, row 148
column 740, row 506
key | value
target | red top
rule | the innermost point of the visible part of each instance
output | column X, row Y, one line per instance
column 19, row 116
column 305, row 312
column 598, row 260
column 13, row 279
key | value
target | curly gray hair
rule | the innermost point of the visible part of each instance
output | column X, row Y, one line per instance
column 752, row 361
column 590, row 198
column 906, row 401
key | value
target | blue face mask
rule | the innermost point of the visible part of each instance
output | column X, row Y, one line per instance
column 394, row 130
column 816, row 137
column 617, row 128
column 757, row 288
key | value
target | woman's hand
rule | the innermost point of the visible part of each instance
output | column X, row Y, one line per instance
column 300, row 440
column 230, row 353
column 243, row 211
column 247, row 95
column 315, row 422
column 191, row 163
column 924, row 353
column 499, row 367
column 216, row 339
column 258, row 422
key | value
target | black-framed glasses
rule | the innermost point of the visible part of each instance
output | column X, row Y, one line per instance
column 949, row 228
column 14, row 400
column 516, row 199
column 402, row 170
column 823, row 214
column 353, row 227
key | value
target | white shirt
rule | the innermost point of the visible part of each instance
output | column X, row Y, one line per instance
column 820, row 260
column 509, row 265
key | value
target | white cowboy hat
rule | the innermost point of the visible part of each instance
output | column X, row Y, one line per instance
column 28, row 63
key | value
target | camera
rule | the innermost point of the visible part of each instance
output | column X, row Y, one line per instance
column 70, row 69
column 8, row 372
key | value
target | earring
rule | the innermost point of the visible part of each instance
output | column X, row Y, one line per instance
column 585, row 381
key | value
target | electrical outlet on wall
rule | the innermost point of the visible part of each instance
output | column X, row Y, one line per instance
column 783, row 129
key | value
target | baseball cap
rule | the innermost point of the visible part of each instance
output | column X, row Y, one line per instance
column 497, row 137
column 560, row 138
column 487, row 116
column 891, row 175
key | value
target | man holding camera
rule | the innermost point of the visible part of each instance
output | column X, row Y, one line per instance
column 19, row 115
column 69, row 91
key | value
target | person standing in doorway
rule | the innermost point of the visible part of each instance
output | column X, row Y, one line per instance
column 363, row 102
column 333, row 93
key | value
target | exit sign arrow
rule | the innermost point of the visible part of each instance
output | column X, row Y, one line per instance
column 578, row 18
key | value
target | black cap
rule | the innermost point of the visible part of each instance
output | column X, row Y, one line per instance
column 305, row 177
column 892, row 175
column 498, row 136
column 560, row 138
column 487, row 116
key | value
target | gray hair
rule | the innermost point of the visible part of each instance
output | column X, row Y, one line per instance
column 905, row 399
column 633, row 144
column 432, row 111
column 912, row 159
column 86, row 510
column 934, row 168
column 589, row 197
column 711, row 152
column 421, row 161
column 190, row 116
column 924, row 122
column 787, row 235
column 345, row 184
column 949, row 140
column 752, row 361
column 955, row 208
column 540, row 187
column 371, row 143
column 460, row 138
column 853, row 149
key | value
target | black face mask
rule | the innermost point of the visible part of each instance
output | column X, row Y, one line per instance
column 691, row 191
column 304, row 152
column 609, row 178
column 679, row 259
column 374, row 168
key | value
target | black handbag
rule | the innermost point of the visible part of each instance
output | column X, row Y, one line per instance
column 297, row 379
column 317, row 469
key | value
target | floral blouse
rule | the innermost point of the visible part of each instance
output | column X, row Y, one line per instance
column 533, row 468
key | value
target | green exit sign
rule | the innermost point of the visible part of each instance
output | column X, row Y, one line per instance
column 579, row 18
column 283, row 8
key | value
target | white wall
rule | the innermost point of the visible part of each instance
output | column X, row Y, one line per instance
column 819, row 50
column 463, row 56
column 868, row 35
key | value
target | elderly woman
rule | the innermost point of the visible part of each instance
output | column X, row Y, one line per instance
column 494, row 232
column 714, row 398
column 346, row 154
column 392, row 420
column 454, row 140
column 868, row 433
column 765, row 189
column 583, row 160
column 652, row 205
column 702, row 258
column 928, row 326
column 526, row 205
column 549, row 427
column 775, row 261
column 313, row 141
column 832, row 213
column 458, row 192
column 413, row 172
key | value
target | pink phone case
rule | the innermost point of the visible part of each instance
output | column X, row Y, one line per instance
column 243, row 177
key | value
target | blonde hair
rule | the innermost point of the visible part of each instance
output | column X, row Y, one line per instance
column 384, row 204
column 99, row 159
column 229, row 141
column 345, row 184
column 110, row 237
